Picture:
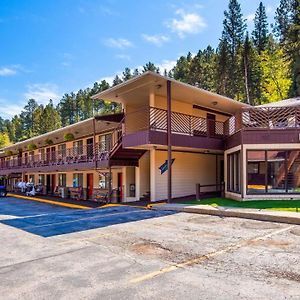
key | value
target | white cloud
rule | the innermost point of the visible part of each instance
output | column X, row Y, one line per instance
column 186, row 23
column 123, row 56
column 8, row 110
column 157, row 40
column 250, row 18
column 118, row 43
column 7, row 71
column 42, row 92
column 270, row 10
column 166, row 65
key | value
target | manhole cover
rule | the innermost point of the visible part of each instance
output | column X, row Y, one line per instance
column 259, row 225
column 295, row 231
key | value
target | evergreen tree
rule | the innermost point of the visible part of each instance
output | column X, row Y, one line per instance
column 117, row 80
column 182, row 68
column 287, row 29
column 233, row 37
column 252, row 72
column 50, row 118
column 28, row 120
column 222, row 67
column 150, row 67
column 66, row 109
column 202, row 72
column 127, row 74
column 260, row 32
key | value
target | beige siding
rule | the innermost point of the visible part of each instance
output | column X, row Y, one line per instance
column 186, row 108
column 188, row 169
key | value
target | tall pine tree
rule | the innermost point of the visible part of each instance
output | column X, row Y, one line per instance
column 232, row 38
column 260, row 32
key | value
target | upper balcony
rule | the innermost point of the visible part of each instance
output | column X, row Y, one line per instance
column 149, row 126
column 274, row 125
column 87, row 156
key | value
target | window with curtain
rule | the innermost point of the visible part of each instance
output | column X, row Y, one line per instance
column 77, row 180
column 62, row 180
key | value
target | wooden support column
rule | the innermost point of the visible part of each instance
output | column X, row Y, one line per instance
column 94, row 143
column 109, row 184
column 169, row 132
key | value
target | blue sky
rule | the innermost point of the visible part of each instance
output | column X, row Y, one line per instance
column 51, row 47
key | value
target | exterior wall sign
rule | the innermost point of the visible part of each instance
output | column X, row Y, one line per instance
column 164, row 167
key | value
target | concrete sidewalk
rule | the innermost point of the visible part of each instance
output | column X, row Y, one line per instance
column 254, row 214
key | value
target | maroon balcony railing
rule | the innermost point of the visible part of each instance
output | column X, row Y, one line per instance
column 152, row 118
column 258, row 118
column 83, row 154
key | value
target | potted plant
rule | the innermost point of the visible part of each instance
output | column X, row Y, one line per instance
column 69, row 137
column 8, row 153
column 48, row 142
column 31, row 147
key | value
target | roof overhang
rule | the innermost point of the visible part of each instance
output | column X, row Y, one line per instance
column 136, row 93
column 110, row 117
column 79, row 130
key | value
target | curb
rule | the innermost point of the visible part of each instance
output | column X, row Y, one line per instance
column 267, row 216
column 69, row 205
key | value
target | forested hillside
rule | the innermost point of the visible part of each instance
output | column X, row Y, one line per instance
column 254, row 67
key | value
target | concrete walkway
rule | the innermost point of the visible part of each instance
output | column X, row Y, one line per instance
column 254, row 214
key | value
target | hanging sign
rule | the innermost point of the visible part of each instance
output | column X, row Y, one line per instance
column 164, row 167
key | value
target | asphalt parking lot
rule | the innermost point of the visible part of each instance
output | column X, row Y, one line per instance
column 132, row 253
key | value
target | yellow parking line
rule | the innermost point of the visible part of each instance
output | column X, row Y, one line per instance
column 69, row 205
column 207, row 256
column 149, row 206
column 118, row 205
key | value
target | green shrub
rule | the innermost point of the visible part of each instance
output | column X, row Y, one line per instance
column 31, row 147
column 8, row 153
column 48, row 142
column 69, row 137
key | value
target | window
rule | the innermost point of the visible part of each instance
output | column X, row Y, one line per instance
column 78, row 147
column 233, row 172
column 31, row 179
column 41, row 179
column 256, row 171
column 105, row 142
column 276, row 171
column 77, row 180
column 104, row 181
column 273, row 172
column 42, row 154
column 62, row 150
column 62, row 180
column 31, row 156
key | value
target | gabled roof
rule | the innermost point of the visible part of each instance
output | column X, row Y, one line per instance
column 136, row 91
column 283, row 103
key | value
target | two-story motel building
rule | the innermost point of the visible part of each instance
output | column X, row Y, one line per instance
column 169, row 138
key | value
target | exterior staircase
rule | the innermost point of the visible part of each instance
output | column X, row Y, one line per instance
column 281, row 172
column 119, row 156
